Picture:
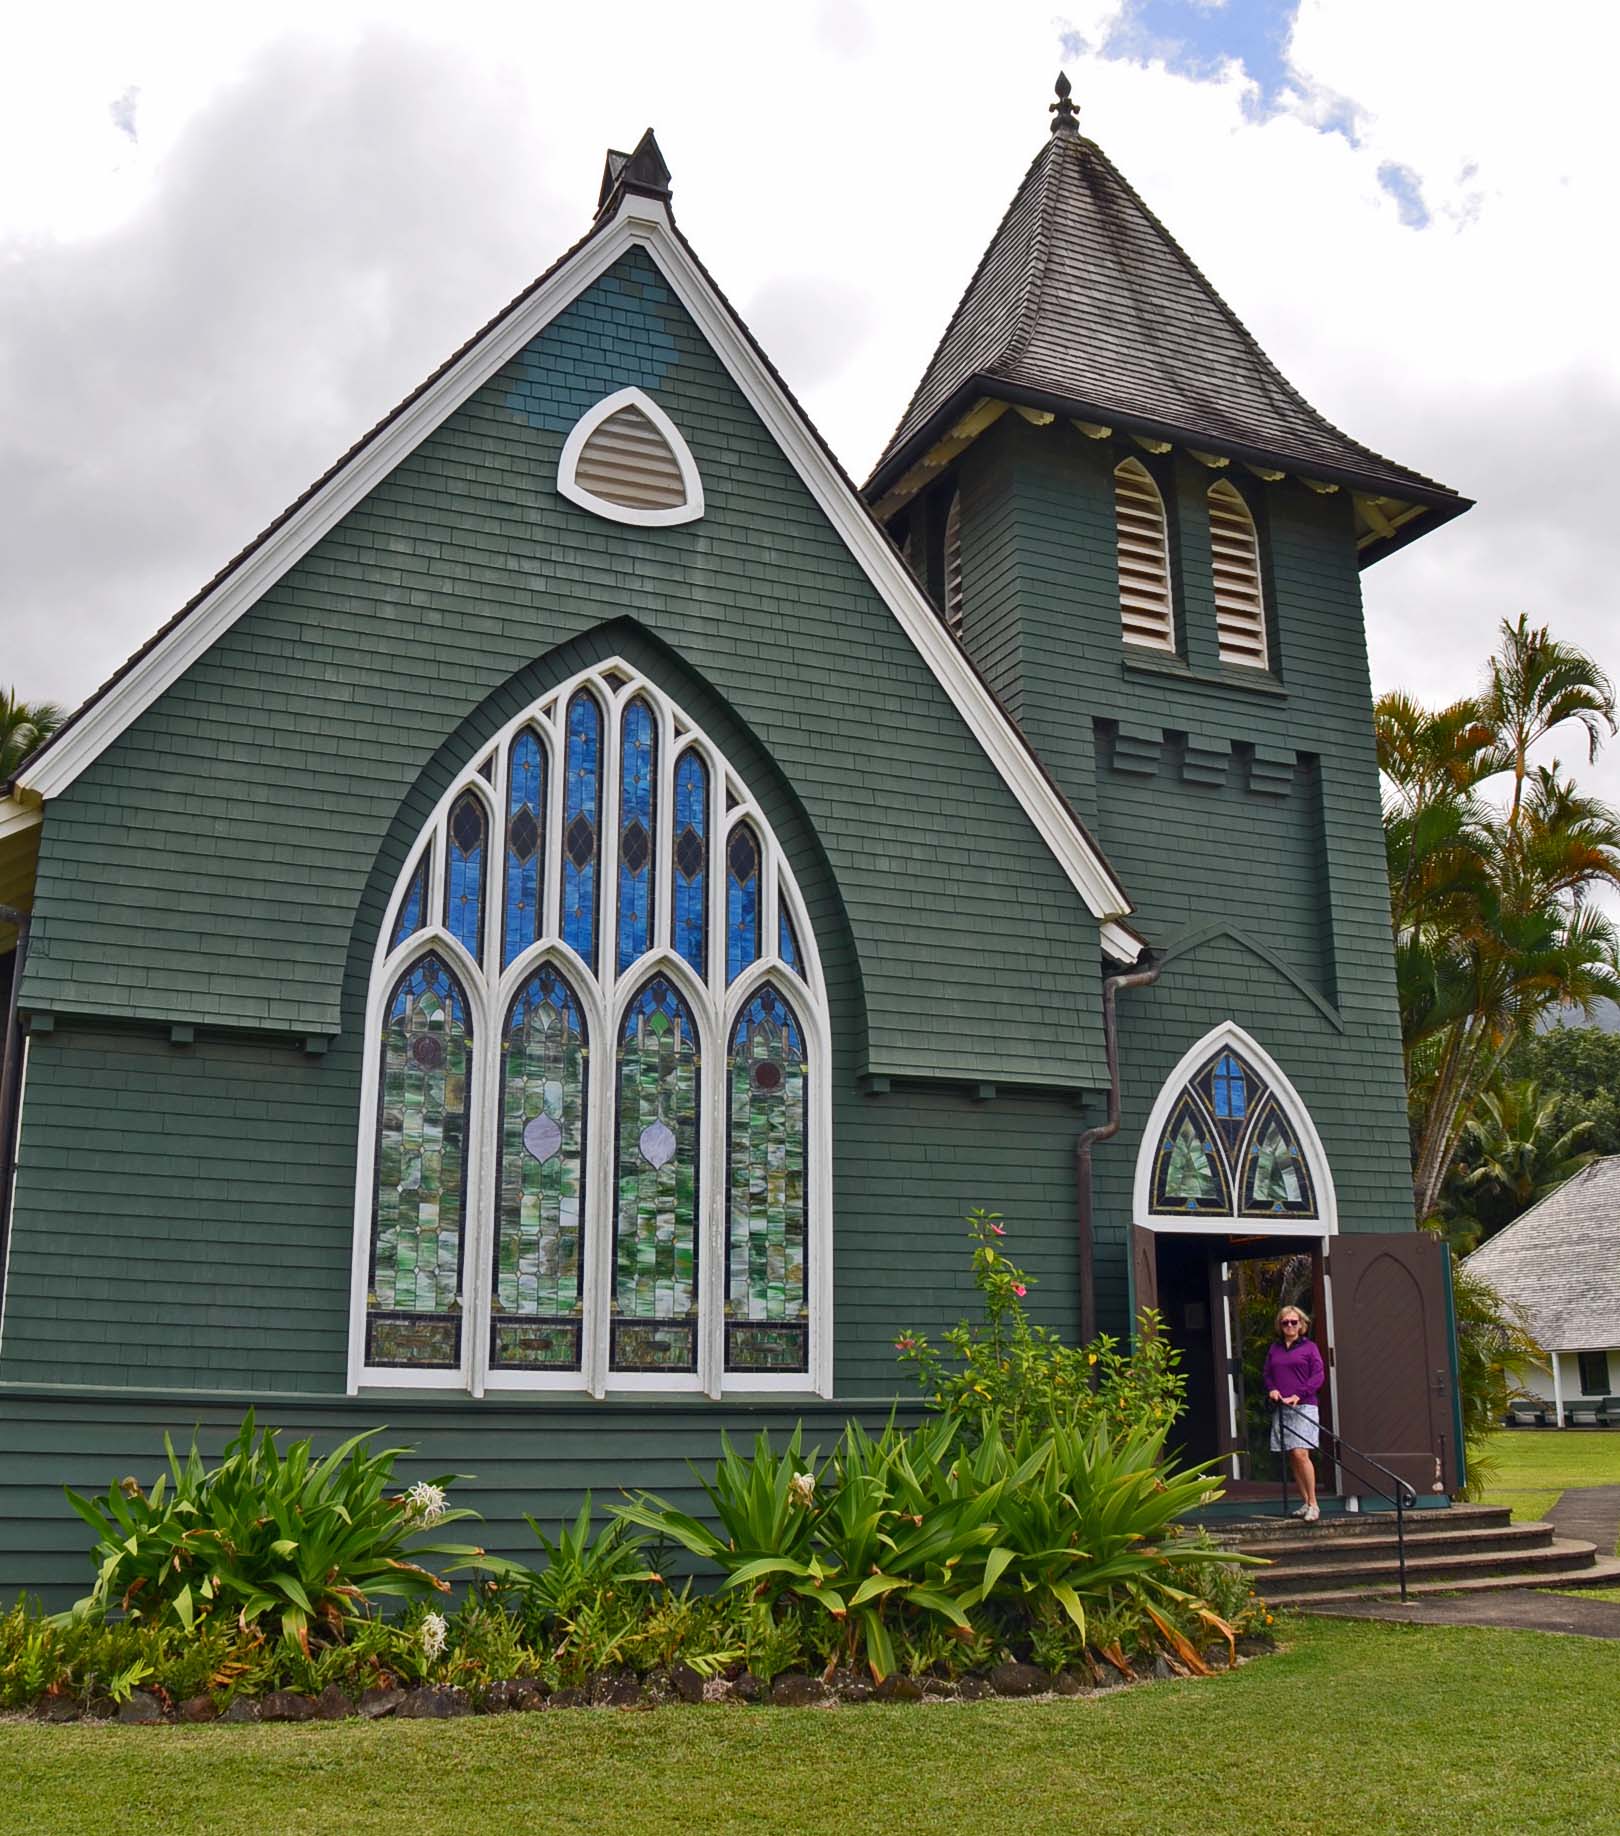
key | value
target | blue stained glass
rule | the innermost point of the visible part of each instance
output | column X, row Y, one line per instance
column 638, row 764
column 690, row 881
column 787, row 942
column 1230, row 1093
column 742, row 900
column 525, row 850
column 464, row 874
column 582, row 820
column 413, row 910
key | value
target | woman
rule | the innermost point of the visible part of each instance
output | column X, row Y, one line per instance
column 1293, row 1377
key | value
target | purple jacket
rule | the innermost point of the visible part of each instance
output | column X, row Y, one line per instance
column 1294, row 1370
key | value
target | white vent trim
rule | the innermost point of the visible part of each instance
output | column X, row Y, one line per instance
column 1240, row 601
column 953, row 566
column 648, row 516
column 1142, row 536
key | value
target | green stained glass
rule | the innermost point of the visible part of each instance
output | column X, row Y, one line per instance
column 420, row 1195
column 767, row 1081
column 1275, row 1177
column 1191, row 1174
column 541, row 1197
column 655, row 1234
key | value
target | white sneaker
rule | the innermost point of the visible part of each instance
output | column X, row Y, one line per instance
column 1311, row 1513
column 1300, row 1511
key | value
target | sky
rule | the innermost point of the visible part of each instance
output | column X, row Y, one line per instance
column 231, row 238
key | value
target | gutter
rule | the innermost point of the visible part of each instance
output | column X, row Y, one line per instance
column 1104, row 1131
column 10, row 1084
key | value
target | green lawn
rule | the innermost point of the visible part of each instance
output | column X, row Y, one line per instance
column 1352, row 1728
column 1527, row 1468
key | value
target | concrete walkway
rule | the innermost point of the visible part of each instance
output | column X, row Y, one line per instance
column 1591, row 1514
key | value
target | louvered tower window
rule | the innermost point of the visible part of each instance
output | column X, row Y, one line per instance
column 1240, row 607
column 626, row 460
column 1145, row 612
column 953, row 566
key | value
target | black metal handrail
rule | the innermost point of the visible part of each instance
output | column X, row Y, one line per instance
column 1403, row 1497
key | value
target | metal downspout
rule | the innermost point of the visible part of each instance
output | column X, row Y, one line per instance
column 1104, row 1131
column 10, row 1083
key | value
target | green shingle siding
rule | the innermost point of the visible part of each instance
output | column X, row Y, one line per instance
column 1227, row 801
column 209, row 866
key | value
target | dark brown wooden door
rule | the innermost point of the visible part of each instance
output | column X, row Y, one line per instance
column 1144, row 1271
column 1392, row 1358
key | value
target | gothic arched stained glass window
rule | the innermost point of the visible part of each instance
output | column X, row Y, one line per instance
column 689, row 926
column 638, row 776
column 1227, row 1147
column 413, row 1297
column 582, row 824
column 538, row 1279
column 742, row 900
column 525, row 841
column 464, row 873
column 655, row 1239
column 767, row 1299
column 587, row 931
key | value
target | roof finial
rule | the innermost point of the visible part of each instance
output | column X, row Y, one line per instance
column 1065, row 116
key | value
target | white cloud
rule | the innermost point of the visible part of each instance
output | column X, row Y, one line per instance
column 318, row 205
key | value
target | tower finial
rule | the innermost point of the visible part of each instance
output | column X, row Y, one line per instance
column 1065, row 116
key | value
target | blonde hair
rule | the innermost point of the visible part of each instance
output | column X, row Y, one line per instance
column 1304, row 1321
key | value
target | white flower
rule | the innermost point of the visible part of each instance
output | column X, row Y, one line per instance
column 424, row 1505
column 803, row 1488
column 435, row 1630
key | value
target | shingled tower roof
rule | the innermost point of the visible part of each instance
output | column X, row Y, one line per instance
column 1084, row 304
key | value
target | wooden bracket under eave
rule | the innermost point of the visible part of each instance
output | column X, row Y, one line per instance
column 938, row 456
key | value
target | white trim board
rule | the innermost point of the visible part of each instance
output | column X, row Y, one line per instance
column 642, row 223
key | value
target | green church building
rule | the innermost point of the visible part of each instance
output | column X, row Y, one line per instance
column 543, row 950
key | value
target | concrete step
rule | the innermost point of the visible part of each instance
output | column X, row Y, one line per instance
column 1604, row 1571
column 1300, row 1581
column 1288, row 1553
column 1249, row 1532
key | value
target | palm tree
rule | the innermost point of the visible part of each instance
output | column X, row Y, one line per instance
column 24, row 728
column 1513, row 1153
column 1491, row 927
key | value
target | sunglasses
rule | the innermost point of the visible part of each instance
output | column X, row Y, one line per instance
column 1293, row 1322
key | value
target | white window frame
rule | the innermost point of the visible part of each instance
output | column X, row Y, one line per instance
column 567, row 466
column 603, row 999
column 1217, row 1223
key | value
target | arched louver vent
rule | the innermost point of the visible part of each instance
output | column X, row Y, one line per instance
column 953, row 566
column 625, row 459
column 1145, row 610
column 1240, row 607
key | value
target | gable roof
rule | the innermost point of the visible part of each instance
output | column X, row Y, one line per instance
column 634, row 215
column 1559, row 1261
column 1085, row 304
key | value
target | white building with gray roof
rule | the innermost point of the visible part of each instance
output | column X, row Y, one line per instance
column 1560, row 1262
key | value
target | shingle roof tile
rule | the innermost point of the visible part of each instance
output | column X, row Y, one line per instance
column 1559, row 1261
column 1085, row 297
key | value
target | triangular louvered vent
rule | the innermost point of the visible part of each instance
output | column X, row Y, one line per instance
column 625, row 460
column 1144, row 559
column 628, row 461
column 953, row 566
column 1240, row 607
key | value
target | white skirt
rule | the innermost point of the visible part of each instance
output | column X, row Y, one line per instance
column 1295, row 1427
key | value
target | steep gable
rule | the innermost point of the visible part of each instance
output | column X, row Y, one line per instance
column 206, row 853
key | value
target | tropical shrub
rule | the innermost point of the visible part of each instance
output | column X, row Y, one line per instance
column 1004, row 1367
column 302, row 1543
column 905, row 1540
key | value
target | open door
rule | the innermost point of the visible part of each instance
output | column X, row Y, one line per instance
column 1144, row 1271
column 1392, row 1358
